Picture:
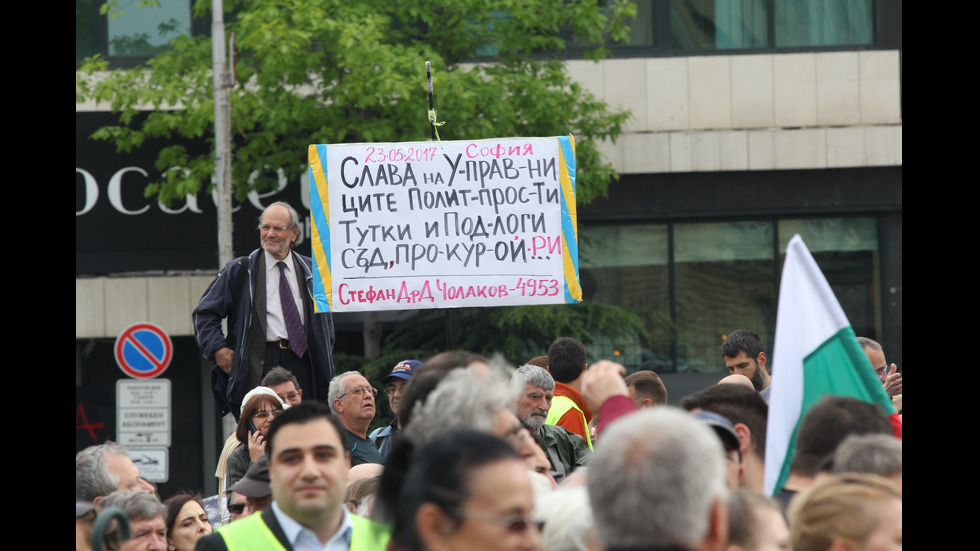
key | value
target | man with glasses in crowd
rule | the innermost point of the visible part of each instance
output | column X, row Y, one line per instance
column 284, row 384
column 400, row 375
column 254, row 490
column 271, row 323
column 351, row 398
column 889, row 376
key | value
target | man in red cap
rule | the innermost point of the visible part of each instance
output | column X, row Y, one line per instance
column 399, row 377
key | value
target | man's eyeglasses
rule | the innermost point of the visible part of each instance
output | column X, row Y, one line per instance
column 236, row 508
column 880, row 371
column 289, row 397
column 278, row 229
column 515, row 524
column 393, row 389
column 265, row 413
column 361, row 390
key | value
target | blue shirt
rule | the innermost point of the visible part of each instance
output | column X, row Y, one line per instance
column 304, row 539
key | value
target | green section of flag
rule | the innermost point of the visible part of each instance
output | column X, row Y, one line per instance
column 837, row 367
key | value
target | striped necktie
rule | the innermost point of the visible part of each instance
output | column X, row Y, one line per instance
column 294, row 325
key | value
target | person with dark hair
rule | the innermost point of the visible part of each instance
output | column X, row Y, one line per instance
column 308, row 463
column 260, row 407
column 284, row 384
column 267, row 299
column 730, row 443
column 254, row 488
column 744, row 354
column 186, row 520
column 749, row 415
column 824, row 426
column 567, row 361
column 646, row 389
column 237, row 505
column 462, row 490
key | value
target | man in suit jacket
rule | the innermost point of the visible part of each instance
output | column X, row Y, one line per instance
column 267, row 298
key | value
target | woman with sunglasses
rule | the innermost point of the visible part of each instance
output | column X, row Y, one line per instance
column 465, row 490
column 260, row 406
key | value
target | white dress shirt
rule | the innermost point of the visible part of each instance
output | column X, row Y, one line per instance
column 275, row 327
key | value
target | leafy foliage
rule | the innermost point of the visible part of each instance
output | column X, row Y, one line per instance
column 326, row 71
column 519, row 332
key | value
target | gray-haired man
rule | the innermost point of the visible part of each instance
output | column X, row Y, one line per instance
column 657, row 482
column 535, row 388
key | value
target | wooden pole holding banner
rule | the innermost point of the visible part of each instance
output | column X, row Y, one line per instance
column 450, row 312
column 432, row 109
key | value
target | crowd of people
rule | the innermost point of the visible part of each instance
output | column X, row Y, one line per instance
column 473, row 458
column 555, row 455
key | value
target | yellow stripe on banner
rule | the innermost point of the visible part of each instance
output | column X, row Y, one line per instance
column 574, row 286
column 316, row 168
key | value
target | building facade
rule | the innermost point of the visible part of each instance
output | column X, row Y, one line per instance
column 751, row 122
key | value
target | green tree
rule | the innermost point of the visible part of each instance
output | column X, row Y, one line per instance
column 326, row 71
column 518, row 333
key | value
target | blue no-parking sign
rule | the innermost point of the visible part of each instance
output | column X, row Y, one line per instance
column 143, row 350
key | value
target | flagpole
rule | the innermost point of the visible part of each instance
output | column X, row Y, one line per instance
column 431, row 115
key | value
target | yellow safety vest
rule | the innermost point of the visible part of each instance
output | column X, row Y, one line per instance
column 252, row 533
column 559, row 406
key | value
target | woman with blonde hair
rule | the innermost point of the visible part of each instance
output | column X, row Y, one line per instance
column 847, row 512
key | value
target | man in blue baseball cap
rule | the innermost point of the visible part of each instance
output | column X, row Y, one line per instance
column 400, row 375
column 730, row 441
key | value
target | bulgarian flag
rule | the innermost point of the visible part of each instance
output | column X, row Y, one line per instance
column 816, row 353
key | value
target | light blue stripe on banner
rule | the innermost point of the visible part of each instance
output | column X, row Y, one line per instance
column 567, row 225
column 323, row 230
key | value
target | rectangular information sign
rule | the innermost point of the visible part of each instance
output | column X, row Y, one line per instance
column 143, row 412
column 399, row 226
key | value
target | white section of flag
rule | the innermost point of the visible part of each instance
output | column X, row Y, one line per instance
column 808, row 315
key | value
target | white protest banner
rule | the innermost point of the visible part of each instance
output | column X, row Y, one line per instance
column 399, row 226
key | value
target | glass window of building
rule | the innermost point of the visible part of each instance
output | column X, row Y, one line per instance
column 627, row 266
column 668, row 27
column 846, row 249
column 693, row 283
column 147, row 30
column 131, row 30
column 724, row 281
column 804, row 23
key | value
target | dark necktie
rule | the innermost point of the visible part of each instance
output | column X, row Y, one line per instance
column 294, row 325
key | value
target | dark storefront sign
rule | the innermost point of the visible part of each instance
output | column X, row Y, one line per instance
column 117, row 229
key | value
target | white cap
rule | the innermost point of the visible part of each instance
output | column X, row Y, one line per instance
column 261, row 390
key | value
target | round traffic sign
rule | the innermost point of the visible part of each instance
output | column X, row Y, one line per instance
column 143, row 350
